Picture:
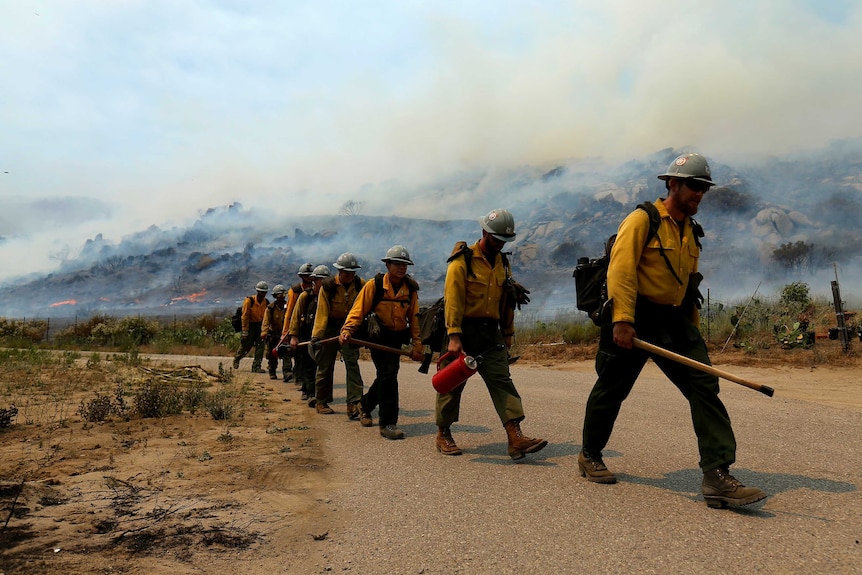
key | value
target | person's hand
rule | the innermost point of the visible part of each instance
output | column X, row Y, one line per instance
column 455, row 346
column 343, row 337
column 624, row 333
column 418, row 353
column 243, row 334
column 315, row 343
column 508, row 341
column 293, row 341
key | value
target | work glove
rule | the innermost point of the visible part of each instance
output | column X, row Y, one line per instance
column 243, row 334
column 315, row 344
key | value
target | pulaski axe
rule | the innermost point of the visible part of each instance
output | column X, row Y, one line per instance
column 764, row 389
column 372, row 345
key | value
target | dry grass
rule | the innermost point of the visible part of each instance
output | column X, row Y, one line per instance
column 166, row 488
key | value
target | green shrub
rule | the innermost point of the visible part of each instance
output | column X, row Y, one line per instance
column 220, row 404
column 158, row 399
column 16, row 333
column 195, row 395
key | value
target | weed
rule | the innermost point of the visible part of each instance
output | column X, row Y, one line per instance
column 220, row 405
column 97, row 409
column 158, row 399
column 194, row 395
column 7, row 416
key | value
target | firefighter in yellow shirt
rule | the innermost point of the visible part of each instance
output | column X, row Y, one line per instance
column 334, row 301
column 394, row 299
column 479, row 320
column 652, row 289
column 253, row 310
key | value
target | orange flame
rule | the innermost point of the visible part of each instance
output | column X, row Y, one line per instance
column 65, row 302
column 194, row 297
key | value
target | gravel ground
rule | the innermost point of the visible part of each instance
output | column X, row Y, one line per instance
column 405, row 509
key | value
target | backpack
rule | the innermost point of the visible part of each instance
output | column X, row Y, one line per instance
column 236, row 320
column 432, row 325
column 591, row 275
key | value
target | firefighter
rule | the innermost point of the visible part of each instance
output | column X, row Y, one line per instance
column 253, row 310
column 301, row 326
column 305, row 274
column 394, row 299
column 480, row 320
column 271, row 330
column 653, row 290
column 334, row 301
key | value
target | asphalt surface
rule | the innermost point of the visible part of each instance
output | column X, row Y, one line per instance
column 406, row 509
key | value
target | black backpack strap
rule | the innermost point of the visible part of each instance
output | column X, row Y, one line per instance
column 379, row 292
column 697, row 231
column 654, row 222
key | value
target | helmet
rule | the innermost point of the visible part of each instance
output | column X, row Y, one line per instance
column 689, row 166
column 262, row 286
column 279, row 290
column 321, row 271
column 347, row 262
column 500, row 224
column 399, row 254
column 305, row 269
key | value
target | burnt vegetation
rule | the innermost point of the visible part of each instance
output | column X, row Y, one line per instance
column 562, row 213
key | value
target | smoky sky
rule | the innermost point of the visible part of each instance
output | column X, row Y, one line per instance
column 147, row 112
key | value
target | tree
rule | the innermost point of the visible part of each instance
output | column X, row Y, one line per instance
column 794, row 257
column 350, row 208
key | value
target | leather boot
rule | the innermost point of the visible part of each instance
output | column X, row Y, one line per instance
column 721, row 489
column 391, row 431
column 353, row 410
column 518, row 444
column 593, row 468
column 444, row 442
column 324, row 408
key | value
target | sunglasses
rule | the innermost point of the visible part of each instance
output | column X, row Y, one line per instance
column 697, row 186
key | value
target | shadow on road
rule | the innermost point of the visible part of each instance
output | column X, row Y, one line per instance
column 687, row 482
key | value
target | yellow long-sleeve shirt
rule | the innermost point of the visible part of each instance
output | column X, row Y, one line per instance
column 253, row 311
column 292, row 297
column 299, row 317
column 273, row 320
column 636, row 269
column 477, row 296
column 396, row 311
column 336, row 308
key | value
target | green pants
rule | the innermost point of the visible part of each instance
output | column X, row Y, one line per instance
column 618, row 368
column 326, row 358
column 484, row 337
column 252, row 340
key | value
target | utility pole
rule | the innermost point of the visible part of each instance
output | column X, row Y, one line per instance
column 839, row 313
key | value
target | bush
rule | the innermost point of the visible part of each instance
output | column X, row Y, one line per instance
column 158, row 399
column 7, row 415
column 22, row 333
column 220, row 405
column 97, row 409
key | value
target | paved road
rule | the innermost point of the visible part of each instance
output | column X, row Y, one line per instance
column 409, row 510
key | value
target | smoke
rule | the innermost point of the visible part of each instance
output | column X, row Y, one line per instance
column 142, row 113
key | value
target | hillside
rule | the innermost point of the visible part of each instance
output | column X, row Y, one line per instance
column 809, row 208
